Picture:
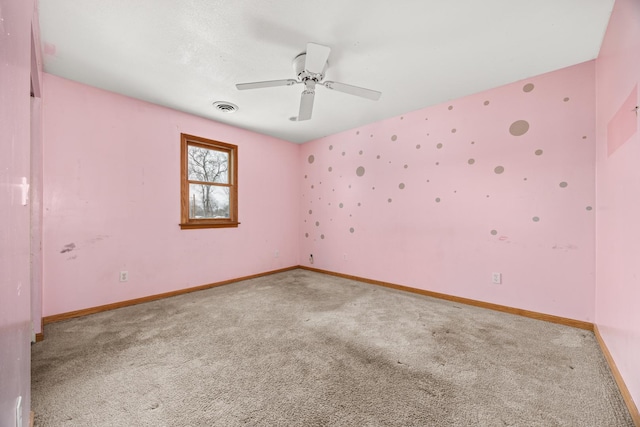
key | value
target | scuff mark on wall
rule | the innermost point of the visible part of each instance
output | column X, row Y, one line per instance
column 68, row 248
column 98, row 238
column 565, row 248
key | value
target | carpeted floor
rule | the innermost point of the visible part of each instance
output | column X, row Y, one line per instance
column 305, row 349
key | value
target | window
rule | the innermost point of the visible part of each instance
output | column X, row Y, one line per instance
column 209, row 183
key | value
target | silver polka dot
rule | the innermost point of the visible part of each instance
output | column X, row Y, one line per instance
column 439, row 146
column 360, row 171
column 341, row 205
column 401, row 186
column 317, row 223
column 535, row 219
column 394, row 137
column 437, row 199
column 351, row 230
column 471, row 161
column 499, row 169
column 311, row 158
column 563, row 184
column 589, row 208
column 539, row 152
column 528, row 87
column 494, row 232
column 331, row 147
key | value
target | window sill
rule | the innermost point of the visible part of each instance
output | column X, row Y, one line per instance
column 229, row 224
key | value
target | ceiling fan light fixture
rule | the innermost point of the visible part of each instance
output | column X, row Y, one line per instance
column 225, row 107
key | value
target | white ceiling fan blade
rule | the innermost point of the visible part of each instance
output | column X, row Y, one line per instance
column 306, row 104
column 317, row 56
column 269, row 83
column 353, row 90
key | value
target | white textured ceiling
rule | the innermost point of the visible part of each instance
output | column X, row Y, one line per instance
column 187, row 54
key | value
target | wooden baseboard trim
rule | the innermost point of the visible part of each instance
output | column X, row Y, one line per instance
column 40, row 336
column 626, row 395
column 92, row 310
column 31, row 418
column 505, row 309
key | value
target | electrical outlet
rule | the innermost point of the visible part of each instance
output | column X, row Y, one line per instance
column 124, row 276
column 496, row 278
column 311, row 259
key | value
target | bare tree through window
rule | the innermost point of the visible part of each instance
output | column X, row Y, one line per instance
column 208, row 166
column 208, row 185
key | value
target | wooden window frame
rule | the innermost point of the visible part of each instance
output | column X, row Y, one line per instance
column 187, row 223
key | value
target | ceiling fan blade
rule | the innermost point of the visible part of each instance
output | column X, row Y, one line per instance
column 316, row 59
column 306, row 104
column 269, row 83
column 353, row 90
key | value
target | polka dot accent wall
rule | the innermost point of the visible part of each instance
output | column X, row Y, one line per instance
column 490, row 176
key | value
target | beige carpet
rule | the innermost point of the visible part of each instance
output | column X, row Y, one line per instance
column 305, row 349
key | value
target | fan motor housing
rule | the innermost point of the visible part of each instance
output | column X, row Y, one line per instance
column 299, row 68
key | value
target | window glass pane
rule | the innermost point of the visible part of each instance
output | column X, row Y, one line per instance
column 208, row 165
column 208, row 201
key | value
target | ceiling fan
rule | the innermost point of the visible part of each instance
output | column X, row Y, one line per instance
column 309, row 67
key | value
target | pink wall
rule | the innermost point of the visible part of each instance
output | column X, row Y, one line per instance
column 112, row 201
column 440, row 198
column 15, row 111
column 618, row 193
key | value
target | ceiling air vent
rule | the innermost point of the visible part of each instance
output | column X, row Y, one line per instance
column 225, row 107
